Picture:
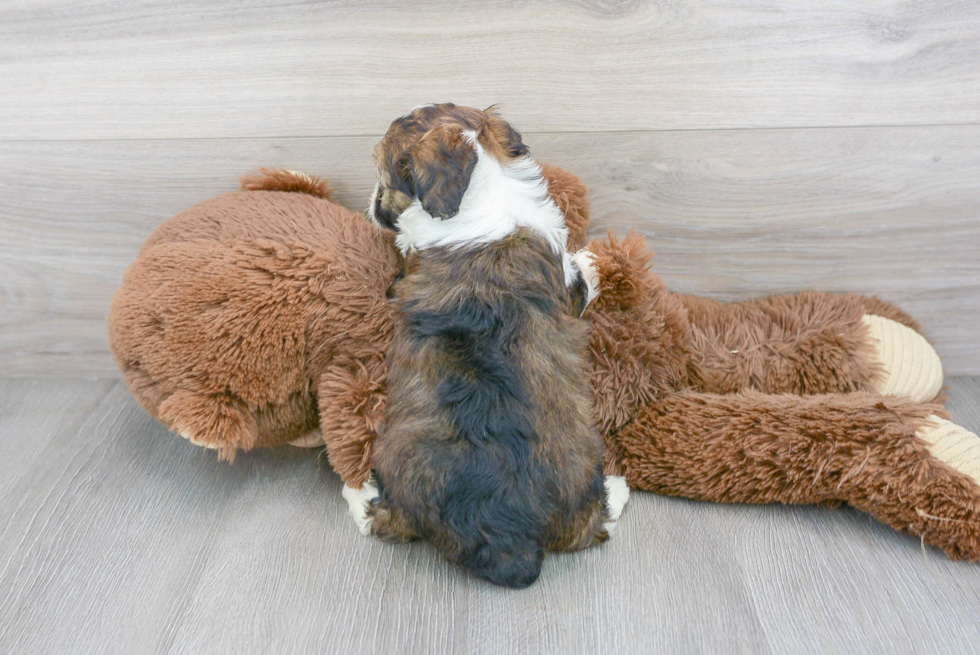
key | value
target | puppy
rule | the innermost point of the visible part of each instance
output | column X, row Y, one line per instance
column 488, row 449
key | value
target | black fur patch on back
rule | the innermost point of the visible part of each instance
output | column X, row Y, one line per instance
column 481, row 488
column 485, row 500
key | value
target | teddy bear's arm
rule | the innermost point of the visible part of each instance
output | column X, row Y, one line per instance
column 809, row 343
column 351, row 397
column 898, row 460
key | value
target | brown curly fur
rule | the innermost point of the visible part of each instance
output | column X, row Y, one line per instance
column 255, row 315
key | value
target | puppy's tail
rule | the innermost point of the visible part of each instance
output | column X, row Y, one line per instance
column 515, row 567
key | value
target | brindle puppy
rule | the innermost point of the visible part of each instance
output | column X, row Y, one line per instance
column 488, row 450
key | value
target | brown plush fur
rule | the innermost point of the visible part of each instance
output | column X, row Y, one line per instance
column 763, row 401
column 858, row 448
column 649, row 343
column 238, row 309
column 789, row 416
column 274, row 179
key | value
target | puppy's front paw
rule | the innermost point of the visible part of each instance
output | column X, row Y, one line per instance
column 585, row 262
column 358, row 502
column 617, row 495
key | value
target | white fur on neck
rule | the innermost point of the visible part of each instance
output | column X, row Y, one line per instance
column 499, row 199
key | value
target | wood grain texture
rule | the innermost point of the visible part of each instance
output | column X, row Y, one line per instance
column 116, row 536
column 893, row 212
column 87, row 69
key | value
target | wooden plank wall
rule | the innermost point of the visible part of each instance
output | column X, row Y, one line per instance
column 761, row 145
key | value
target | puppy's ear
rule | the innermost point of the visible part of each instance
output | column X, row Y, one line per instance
column 440, row 165
column 507, row 138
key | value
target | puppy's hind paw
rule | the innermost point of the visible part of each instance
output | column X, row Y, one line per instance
column 617, row 495
column 358, row 502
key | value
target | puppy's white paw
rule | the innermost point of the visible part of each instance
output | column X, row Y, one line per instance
column 585, row 261
column 358, row 501
column 617, row 495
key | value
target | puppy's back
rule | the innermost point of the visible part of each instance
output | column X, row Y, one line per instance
column 488, row 442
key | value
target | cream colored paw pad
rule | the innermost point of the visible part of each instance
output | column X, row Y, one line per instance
column 953, row 445
column 312, row 440
column 910, row 366
column 197, row 442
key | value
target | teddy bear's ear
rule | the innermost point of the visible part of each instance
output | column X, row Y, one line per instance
column 440, row 166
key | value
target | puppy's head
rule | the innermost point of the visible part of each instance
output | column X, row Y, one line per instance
column 429, row 155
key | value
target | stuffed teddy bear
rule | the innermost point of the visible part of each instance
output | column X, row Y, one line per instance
column 260, row 318
column 242, row 312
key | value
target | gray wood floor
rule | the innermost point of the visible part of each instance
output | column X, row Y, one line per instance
column 118, row 537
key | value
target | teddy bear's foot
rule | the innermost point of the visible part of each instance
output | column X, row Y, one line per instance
column 312, row 440
column 617, row 495
column 945, row 493
column 359, row 502
column 219, row 422
column 953, row 445
column 910, row 366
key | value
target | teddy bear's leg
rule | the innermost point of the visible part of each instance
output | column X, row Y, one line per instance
column 217, row 421
column 901, row 461
column 908, row 364
column 809, row 343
